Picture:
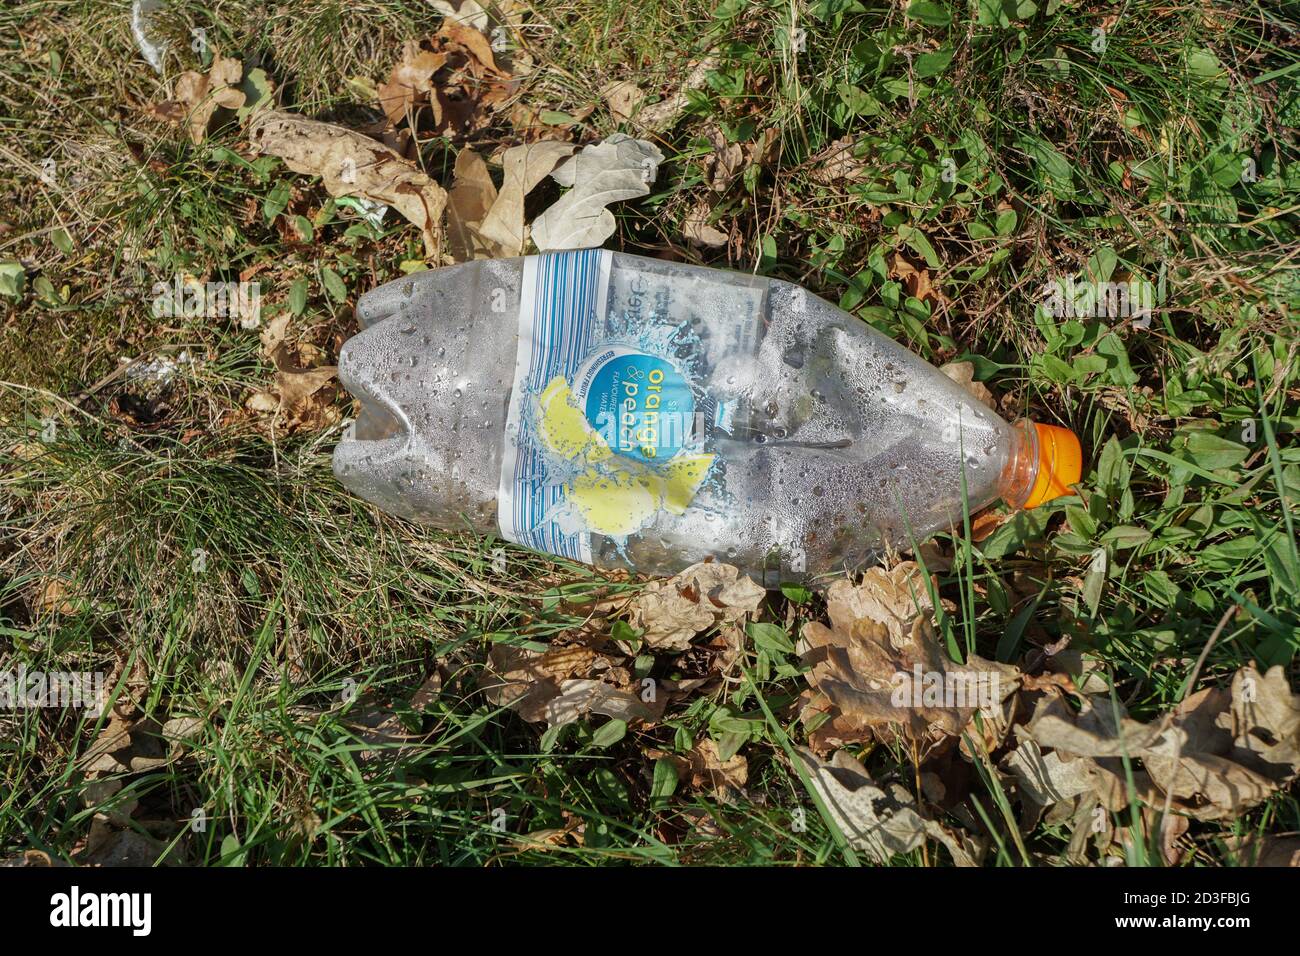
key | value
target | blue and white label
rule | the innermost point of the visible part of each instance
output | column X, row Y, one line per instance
column 561, row 299
column 612, row 419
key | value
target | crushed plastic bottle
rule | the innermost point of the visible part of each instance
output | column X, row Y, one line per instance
column 632, row 413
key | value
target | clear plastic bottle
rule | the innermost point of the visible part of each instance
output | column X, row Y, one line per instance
column 633, row 413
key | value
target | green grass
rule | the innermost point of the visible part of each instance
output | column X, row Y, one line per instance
column 1031, row 155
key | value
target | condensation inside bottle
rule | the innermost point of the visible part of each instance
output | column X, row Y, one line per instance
column 842, row 443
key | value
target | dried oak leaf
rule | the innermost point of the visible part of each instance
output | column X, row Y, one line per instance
column 471, row 196
column 305, row 401
column 57, row 596
column 580, row 697
column 111, row 845
column 622, row 99
column 201, row 94
column 455, row 73
column 350, row 164
column 31, row 858
column 864, row 668
column 670, row 613
column 1049, row 778
column 963, row 373
column 124, row 745
column 618, row 168
column 471, row 86
column 697, row 231
column 1216, row 755
column 726, row 162
column 514, row 678
column 410, row 80
column 544, row 686
column 301, row 399
column 524, row 168
column 469, row 13
column 836, row 164
column 475, row 46
column 878, row 822
column 376, row 723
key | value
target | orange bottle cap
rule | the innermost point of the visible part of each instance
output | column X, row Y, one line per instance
column 1060, row 464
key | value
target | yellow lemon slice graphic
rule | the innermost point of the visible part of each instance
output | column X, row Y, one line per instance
column 682, row 479
column 616, row 502
column 564, row 429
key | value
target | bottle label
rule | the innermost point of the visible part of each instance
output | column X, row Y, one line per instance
column 613, row 425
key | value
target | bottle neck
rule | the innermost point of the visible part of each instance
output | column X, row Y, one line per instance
column 1021, row 470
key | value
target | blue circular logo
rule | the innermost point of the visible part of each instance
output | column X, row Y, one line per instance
column 641, row 405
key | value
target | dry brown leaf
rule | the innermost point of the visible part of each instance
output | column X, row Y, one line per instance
column 622, row 98
column 726, row 647
column 726, row 163
column 376, row 723
column 696, row 228
column 201, row 94
column 169, row 111
column 304, row 399
column 1264, row 719
column 179, row 731
column 670, row 613
column 515, row 678
column 561, row 685
column 984, row 523
column 893, row 598
column 410, row 81
column 1049, row 778
column 30, row 858
column 299, row 399
column 524, row 167
column 1252, row 850
column 471, row 196
column 729, row 160
column 124, row 745
column 350, row 164
column 880, row 822
column 543, row 840
column 937, row 557
column 963, row 373
column 471, row 86
column 561, row 663
column 878, row 671
column 579, row 697
column 474, row 43
column 454, row 72
column 469, row 13
column 990, row 727
column 1171, row 829
column 109, row 846
column 273, row 337
column 1095, row 732
column 1216, row 755
column 97, row 794
column 57, row 596
column 836, row 164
